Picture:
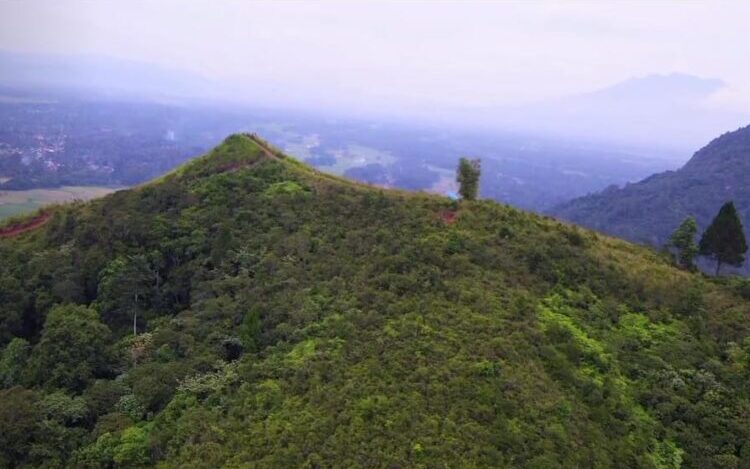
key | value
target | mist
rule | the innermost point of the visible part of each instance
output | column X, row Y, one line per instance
column 534, row 67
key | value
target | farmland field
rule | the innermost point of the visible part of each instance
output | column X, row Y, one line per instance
column 20, row 202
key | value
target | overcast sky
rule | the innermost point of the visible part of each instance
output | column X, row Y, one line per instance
column 383, row 54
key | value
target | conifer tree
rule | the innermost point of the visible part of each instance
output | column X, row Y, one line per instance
column 724, row 240
column 683, row 239
column 467, row 177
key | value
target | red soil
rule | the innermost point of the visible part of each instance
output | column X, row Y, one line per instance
column 448, row 216
column 24, row 226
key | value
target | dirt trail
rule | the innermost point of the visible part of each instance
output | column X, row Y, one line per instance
column 24, row 226
column 265, row 146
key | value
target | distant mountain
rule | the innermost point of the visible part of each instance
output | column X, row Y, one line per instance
column 675, row 88
column 674, row 111
column 669, row 112
column 648, row 211
column 246, row 310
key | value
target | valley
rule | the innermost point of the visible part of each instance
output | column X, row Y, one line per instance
column 17, row 202
column 75, row 140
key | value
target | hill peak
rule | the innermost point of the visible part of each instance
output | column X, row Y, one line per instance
column 659, row 86
column 729, row 148
column 236, row 151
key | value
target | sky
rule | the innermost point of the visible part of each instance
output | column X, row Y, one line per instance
column 390, row 55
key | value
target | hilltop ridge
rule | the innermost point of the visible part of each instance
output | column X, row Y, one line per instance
column 247, row 310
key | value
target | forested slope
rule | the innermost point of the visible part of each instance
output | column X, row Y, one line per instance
column 648, row 211
column 286, row 318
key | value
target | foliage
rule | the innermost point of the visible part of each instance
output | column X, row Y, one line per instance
column 72, row 350
column 349, row 326
column 132, row 449
column 467, row 177
column 13, row 361
column 683, row 239
column 723, row 239
column 250, row 329
column 19, row 417
column 284, row 187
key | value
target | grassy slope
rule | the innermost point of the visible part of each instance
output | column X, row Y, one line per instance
column 388, row 338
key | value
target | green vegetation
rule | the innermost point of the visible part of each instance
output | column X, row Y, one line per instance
column 724, row 240
column 467, row 177
column 683, row 239
column 286, row 318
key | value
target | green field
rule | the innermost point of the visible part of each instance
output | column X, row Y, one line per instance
column 20, row 202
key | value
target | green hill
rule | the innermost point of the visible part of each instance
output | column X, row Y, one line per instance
column 286, row 318
column 648, row 211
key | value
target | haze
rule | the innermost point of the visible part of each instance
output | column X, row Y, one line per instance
column 411, row 59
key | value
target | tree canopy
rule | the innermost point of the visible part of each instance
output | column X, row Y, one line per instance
column 683, row 239
column 724, row 239
column 467, row 176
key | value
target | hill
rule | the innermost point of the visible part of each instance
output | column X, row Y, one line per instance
column 648, row 211
column 287, row 318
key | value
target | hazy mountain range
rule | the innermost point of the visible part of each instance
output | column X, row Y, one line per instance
column 664, row 112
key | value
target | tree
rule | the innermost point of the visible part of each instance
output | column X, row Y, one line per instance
column 724, row 239
column 13, row 301
column 12, row 362
column 126, row 286
column 683, row 239
column 467, row 177
column 250, row 330
column 19, row 417
column 72, row 350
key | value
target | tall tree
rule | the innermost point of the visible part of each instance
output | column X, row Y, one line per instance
column 683, row 239
column 126, row 286
column 467, row 177
column 72, row 350
column 724, row 240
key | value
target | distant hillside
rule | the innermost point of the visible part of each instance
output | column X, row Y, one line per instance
column 288, row 318
column 648, row 211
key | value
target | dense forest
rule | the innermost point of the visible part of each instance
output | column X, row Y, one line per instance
column 246, row 310
column 648, row 211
